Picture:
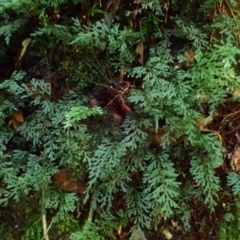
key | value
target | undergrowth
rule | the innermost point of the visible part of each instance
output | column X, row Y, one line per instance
column 105, row 111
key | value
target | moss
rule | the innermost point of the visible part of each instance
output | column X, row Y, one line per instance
column 229, row 231
column 230, row 224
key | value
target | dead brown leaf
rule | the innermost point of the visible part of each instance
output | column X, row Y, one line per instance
column 140, row 52
column 203, row 122
column 16, row 119
column 112, row 6
column 65, row 181
column 235, row 159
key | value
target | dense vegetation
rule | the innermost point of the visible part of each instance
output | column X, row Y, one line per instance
column 116, row 118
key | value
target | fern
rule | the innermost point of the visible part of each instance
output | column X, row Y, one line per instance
column 233, row 182
column 158, row 158
column 202, row 167
column 160, row 177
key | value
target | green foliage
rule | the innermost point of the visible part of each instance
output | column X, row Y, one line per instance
column 233, row 182
column 95, row 10
column 160, row 177
column 85, row 55
column 78, row 113
column 202, row 168
column 229, row 225
column 103, row 226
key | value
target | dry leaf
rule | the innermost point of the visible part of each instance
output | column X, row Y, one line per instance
column 157, row 137
column 236, row 93
column 235, row 159
column 24, row 45
column 167, row 234
column 119, row 231
column 117, row 118
column 16, row 119
column 65, row 181
column 112, row 6
column 203, row 122
column 140, row 52
column 189, row 55
column 126, row 108
column 189, row 58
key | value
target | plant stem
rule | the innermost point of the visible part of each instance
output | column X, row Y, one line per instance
column 45, row 230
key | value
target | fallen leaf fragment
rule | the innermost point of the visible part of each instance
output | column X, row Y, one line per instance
column 16, row 119
column 140, row 52
column 112, row 6
column 126, row 108
column 235, row 159
column 167, row 234
column 24, row 47
column 187, row 59
column 119, row 230
column 234, row 156
column 203, row 122
column 117, row 118
column 157, row 136
column 65, row 181
column 236, row 93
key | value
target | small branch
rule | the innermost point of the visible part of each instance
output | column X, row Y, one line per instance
column 90, row 215
column 231, row 11
column 45, row 229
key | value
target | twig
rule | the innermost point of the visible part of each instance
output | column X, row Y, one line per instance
column 90, row 215
column 45, row 229
column 231, row 11
column 166, row 5
column 121, row 93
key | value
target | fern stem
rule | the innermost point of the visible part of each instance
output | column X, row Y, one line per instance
column 45, row 229
column 90, row 215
